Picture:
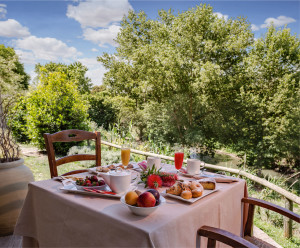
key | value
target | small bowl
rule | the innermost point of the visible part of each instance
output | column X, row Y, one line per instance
column 141, row 211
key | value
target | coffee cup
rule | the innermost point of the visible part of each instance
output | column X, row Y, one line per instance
column 193, row 166
column 153, row 161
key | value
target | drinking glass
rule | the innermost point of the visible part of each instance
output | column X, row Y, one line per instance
column 125, row 155
column 178, row 160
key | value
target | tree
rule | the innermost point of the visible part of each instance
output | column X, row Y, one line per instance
column 188, row 65
column 12, row 74
column 13, row 79
column 74, row 72
column 101, row 107
column 55, row 105
column 270, row 98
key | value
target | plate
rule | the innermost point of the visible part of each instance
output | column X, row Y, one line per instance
column 188, row 175
column 93, row 170
column 72, row 189
column 192, row 200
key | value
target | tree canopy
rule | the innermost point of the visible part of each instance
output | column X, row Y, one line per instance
column 12, row 74
column 199, row 79
column 74, row 72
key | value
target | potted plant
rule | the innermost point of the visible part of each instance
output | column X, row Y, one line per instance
column 14, row 175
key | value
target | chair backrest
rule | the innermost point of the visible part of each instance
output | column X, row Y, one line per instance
column 215, row 234
column 69, row 136
column 268, row 205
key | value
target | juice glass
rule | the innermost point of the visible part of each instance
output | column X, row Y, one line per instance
column 178, row 160
column 125, row 155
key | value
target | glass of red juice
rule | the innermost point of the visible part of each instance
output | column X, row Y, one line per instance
column 178, row 160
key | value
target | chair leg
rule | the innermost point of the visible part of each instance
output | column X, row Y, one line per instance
column 211, row 243
column 249, row 224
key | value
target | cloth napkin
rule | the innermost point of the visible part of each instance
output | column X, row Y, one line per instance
column 218, row 178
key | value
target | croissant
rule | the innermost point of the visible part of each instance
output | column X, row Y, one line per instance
column 174, row 190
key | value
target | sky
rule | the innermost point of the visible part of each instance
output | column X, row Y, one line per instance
column 65, row 31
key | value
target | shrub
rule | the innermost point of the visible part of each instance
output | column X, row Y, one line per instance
column 17, row 121
column 101, row 109
column 55, row 105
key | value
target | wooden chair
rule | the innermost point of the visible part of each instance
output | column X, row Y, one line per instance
column 69, row 136
column 215, row 234
column 248, row 232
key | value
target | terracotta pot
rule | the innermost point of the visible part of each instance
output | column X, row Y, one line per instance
column 14, row 179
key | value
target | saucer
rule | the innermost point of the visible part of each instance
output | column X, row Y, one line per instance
column 188, row 175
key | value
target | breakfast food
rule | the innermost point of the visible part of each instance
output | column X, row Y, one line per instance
column 186, row 190
column 197, row 192
column 150, row 198
column 129, row 166
column 146, row 200
column 111, row 167
column 131, row 198
column 155, row 193
column 174, row 190
column 168, row 179
column 186, row 194
column 72, row 178
column 194, row 185
column 90, row 181
column 102, row 169
column 208, row 183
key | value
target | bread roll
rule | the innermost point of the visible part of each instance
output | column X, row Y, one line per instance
column 197, row 192
column 194, row 185
column 208, row 183
column 187, row 194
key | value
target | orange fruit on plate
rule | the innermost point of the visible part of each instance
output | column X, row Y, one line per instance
column 131, row 198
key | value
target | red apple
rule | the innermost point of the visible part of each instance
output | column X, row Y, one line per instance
column 146, row 200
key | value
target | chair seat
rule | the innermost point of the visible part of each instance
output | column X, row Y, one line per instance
column 261, row 243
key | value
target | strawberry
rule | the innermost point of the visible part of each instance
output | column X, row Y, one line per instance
column 88, row 181
column 154, row 181
column 101, row 182
column 94, row 179
column 168, row 179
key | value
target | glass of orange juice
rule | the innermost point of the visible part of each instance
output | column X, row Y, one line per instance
column 125, row 155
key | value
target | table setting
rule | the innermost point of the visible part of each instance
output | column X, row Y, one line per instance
column 150, row 203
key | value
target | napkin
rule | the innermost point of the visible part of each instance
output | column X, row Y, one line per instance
column 218, row 178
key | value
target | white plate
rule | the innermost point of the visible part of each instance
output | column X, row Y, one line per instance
column 188, row 175
column 192, row 200
column 73, row 189
column 93, row 170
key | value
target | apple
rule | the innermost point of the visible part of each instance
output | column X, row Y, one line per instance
column 155, row 193
column 146, row 200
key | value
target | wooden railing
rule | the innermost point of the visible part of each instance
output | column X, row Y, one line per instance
column 290, row 197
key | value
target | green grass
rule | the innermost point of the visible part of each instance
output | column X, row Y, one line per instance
column 277, row 234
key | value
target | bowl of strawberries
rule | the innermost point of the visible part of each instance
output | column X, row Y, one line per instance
column 90, row 182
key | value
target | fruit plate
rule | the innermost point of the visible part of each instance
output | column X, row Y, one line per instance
column 71, row 188
column 192, row 200
column 141, row 211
